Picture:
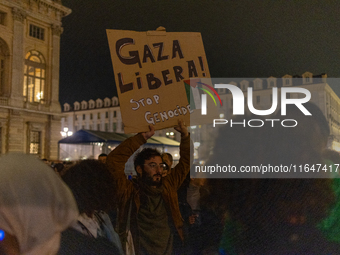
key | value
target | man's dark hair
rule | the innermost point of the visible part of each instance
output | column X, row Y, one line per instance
column 102, row 155
column 59, row 167
column 92, row 185
column 145, row 154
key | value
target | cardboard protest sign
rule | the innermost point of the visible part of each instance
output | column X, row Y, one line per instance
column 150, row 69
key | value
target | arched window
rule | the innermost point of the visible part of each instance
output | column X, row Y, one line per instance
column 34, row 77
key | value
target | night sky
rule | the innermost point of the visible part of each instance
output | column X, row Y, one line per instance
column 242, row 38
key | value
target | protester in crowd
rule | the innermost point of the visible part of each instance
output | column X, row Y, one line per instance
column 36, row 206
column 152, row 200
column 58, row 168
column 279, row 215
column 47, row 162
column 67, row 165
column 93, row 187
column 102, row 157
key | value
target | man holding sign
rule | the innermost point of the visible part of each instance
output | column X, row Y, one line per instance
column 154, row 210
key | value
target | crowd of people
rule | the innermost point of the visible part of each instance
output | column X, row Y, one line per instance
column 91, row 207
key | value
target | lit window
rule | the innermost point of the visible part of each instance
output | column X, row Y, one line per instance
column 34, row 77
column 34, row 142
column 37, row 32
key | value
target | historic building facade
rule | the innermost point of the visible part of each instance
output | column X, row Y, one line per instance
column 30, row 111
column 100, row 115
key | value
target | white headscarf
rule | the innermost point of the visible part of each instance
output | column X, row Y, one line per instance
column 35, row 204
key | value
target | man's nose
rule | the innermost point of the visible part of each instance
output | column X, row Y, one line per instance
column 159, row 170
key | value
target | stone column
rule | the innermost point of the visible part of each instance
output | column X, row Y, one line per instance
column 18, row 58
column 56, row 32
column 53, row 137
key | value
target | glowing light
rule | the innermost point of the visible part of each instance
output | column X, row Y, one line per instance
column 2, row 235
column 221, row 115
column 39, row 95
column 66, row 132
column 172, row 133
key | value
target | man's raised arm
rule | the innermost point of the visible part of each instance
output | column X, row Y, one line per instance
column 181, row 170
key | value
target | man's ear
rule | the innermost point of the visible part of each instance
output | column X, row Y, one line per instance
column 139, row 170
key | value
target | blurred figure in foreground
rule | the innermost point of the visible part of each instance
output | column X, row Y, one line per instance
column 274, row 215
column 93, row 187
column 36, row 206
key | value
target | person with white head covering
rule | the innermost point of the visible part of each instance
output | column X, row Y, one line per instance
column 35, row 206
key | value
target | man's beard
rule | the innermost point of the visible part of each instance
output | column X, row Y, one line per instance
column 148, row 180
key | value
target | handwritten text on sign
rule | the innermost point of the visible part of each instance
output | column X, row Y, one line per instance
column 149, row 68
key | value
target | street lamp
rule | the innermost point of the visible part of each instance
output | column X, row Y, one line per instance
column 65, row 132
